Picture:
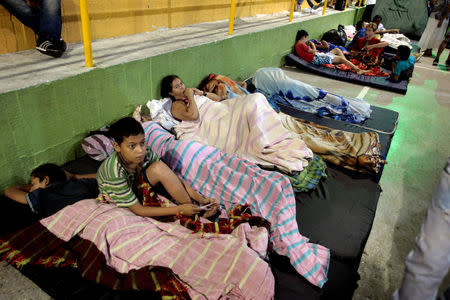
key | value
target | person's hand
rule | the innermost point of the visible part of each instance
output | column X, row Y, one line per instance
column 189, row 92
column 212, row 209
column 396, row 30
column 197, row 92
column 188, row 209
column 206, row 201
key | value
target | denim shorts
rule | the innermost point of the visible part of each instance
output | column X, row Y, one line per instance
column 323, row 58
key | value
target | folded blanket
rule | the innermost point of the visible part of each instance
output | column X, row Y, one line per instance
column 104, row 241
column 396, row 39
column 249, row 128
column 279, row 88
column 355, row 151
column 234, row 181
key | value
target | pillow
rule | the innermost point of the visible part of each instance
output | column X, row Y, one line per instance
column 160, row 112
column 98, row 146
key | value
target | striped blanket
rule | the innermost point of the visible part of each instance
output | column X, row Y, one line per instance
column 249, row 128
column 232, row 181
column 207, row 266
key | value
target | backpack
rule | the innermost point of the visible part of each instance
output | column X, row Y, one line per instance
column 336, row 36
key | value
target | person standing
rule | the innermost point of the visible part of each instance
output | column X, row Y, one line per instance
column 429, row 261
column 367, row 16
column 436, row 27
column 45, row 21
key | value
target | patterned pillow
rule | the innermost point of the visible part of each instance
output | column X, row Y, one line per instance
column 98, row 146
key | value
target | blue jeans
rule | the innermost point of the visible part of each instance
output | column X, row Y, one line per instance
column 45, row 22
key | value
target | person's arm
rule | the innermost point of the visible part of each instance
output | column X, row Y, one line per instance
column 394, row 64
column 184, row 112
column 196, row 195
column 387, row 31
column 377, row 45
column 72, row 176
column 18, row 193
column 154, row 211
column 324, row 45
column 312, row 49
column 202, row 200
column 210, row 95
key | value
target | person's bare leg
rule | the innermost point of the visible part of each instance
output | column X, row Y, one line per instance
column 440, row 50
column 337, row 51
column 343, row 60
column 159, row 172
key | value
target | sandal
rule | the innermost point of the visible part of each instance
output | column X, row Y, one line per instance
column 435, row 62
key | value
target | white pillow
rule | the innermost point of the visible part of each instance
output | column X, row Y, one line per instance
column 160, row 112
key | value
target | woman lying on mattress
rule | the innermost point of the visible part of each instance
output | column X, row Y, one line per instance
column 245, row 126
column 369, row 49
column 265, row 137
column 310, row 53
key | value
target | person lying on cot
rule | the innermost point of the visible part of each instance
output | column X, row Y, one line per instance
column 369, row 49
column 403, row 64
column 51, row 189
column 223, row 87
column 123, row 174
column 324, row 46
column 310, row 53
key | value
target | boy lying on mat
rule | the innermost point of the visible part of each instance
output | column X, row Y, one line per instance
column 51, row 189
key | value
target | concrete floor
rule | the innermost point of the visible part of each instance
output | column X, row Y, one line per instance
column 417, row 155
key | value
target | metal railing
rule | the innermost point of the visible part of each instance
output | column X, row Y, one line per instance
column 86, row 27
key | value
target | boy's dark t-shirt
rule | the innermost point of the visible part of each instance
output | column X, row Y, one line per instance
column 46, row 202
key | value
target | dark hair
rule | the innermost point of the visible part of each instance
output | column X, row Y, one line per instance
column 123, row 128
column 52, row 171
column 359, row 25
column 301, row 34
column 403, row 52
column 205, row 81
column 166, row 85
column 376, row 18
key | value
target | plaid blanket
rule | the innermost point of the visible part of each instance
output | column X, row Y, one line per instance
column 113, row 246
column 234, row 181
column 309, row 178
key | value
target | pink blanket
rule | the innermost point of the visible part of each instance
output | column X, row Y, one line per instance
column 211, row 266
column 249, row 128
column 234, row 181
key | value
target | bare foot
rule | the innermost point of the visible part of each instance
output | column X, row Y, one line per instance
column 362, row 72
column 137, row 114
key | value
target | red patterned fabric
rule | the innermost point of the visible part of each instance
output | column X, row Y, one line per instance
column 240, row 214
column 374, row 71
column 36, row 245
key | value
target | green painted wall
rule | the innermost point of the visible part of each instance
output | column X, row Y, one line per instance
column 47, row 123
